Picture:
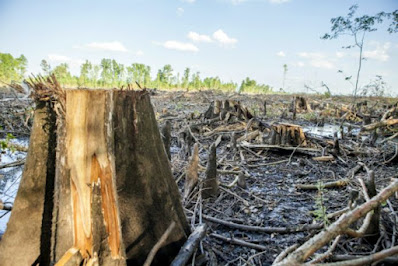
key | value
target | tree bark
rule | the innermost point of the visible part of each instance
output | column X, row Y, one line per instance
column 114, row 193
column 29, row 227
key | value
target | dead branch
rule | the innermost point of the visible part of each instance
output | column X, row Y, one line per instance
column 382, row 123
column 335, row 184
column 13, row 164
column 190, row 246
column 265, row 229
column 237, row 241
column 159, row 244
column 285, row 252
column 366, row 260
column 337, row 228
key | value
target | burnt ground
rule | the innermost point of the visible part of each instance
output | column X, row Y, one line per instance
column 272, row 197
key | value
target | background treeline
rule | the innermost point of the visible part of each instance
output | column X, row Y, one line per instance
column 109, row 73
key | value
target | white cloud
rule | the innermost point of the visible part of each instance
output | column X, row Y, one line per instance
column 57, row 59
column 322, row 63
column 180, row 11
column 188, row 1
column 278, row 1
column 318, row 60
column 237, row 2
column 139, row 53
column 298, row 64
column 311, row 55
column 114, row 46
column 223, row 38
column 340, row 54
column 180, row 46
column 281, row 54
column 379, row 53
column 196, row 37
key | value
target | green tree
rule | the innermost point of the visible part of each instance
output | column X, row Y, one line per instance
column 45, row 67
column 167, row 73
column 358, row 27
column 62, row 74
column 12, row 69
column 196, row 82
column 117, row 73
column 139, row 73
column 185, row 78
column 106, row 72
column 85, row 70
column 284, row 75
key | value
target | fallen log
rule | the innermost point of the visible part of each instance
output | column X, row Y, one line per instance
column 382, row 123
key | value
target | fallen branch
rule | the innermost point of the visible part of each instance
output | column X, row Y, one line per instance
column 335, row 184
column 5, row 207
column 159, row 244
column 13, row 164
column 281, row 230
column 366, row 260
column 285, row 252
column 190, row 246
column 239, row 242
column 382, row 123
column 277, row 147
column 337, row 228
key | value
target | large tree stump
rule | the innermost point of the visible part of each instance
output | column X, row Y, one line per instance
column 287, row 135
column 222, row 108
column 28, row 231
column 113, row 195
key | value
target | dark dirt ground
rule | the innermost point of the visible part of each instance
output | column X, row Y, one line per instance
column 271, row 198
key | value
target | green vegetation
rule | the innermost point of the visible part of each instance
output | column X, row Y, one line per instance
column 320, row 211
column 109, row 74
column 12, row 69
column 5, row 143
column 250, row 86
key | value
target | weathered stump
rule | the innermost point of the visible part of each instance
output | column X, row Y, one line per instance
column 287, row 135
column 109, row 194
column 227, row 108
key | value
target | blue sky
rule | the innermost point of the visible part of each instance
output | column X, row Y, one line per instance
column 231, row 39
